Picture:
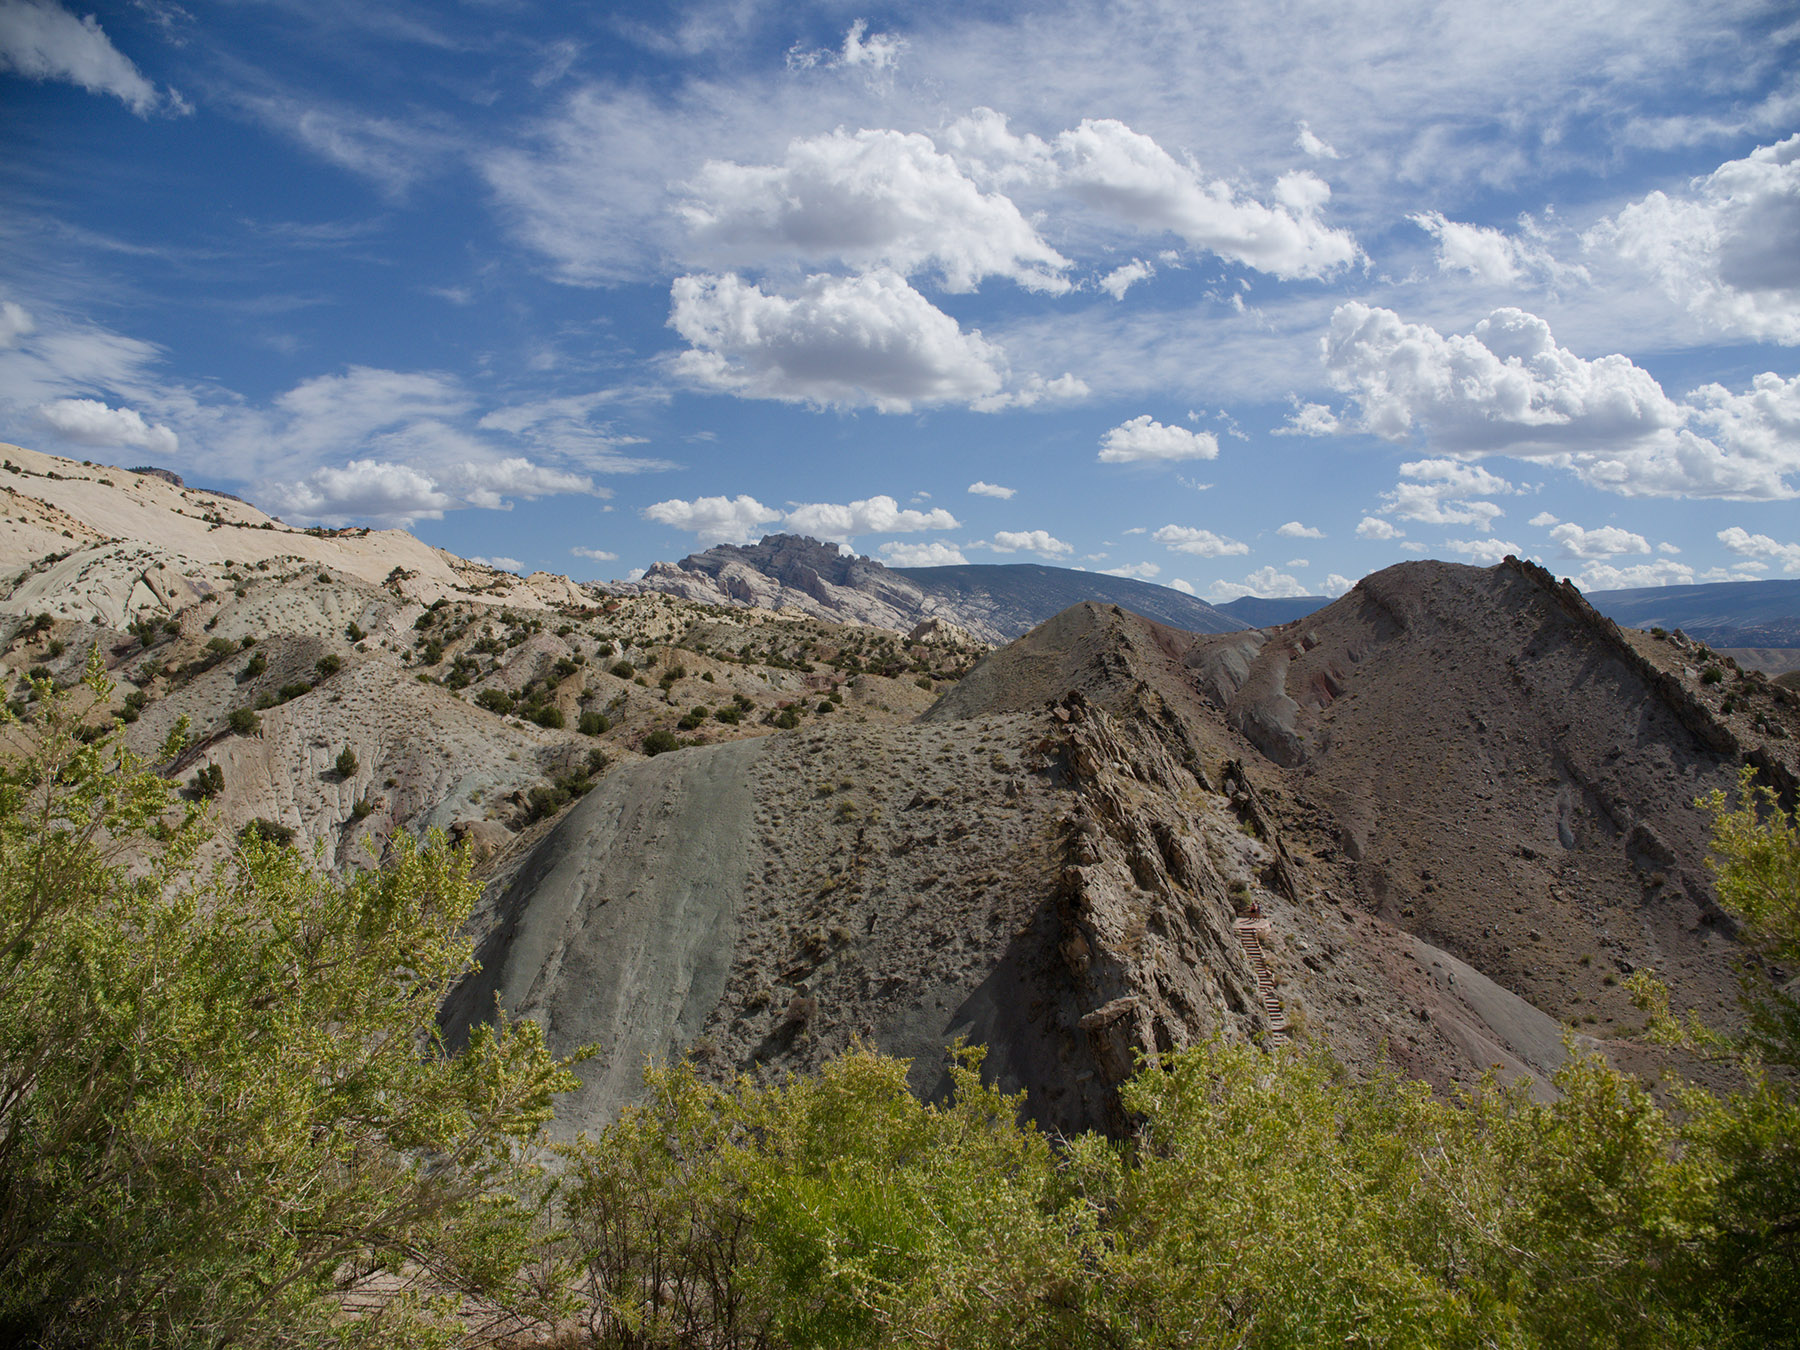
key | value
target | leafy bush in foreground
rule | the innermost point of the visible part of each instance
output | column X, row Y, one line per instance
column 1262, row 1201
column 222, row 1095
column 223, row 1101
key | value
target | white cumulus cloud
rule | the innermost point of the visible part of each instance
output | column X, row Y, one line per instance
column 363, row 489
column 1126, row 176
column 1142, row 440
column 1121, row 279
column 88, row 421
column 873, row 515
column 396, row 493
column 1729, row 249
column 1308, row 143
column 1759, row 546
column 1374, row 527
column 1484, row 253
column 488, row 483
column 1041, row 542
column 1295, row 530
column 1445, row 492
column 867, row 199
column 1507, row 388
column 1487, row 551
column 1202, row 543
column 991, row 490
column 715, row 520
column 596, row 554
column 1110, row 167
column 864, row 341
column 1606, row 542
column 931, row 553
column 1600, row 576
column 1141, row 571
column 1265, row 583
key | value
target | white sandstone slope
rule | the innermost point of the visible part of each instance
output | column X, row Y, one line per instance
column 95, row 543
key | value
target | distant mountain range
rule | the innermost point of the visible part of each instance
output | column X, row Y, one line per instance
column 1724, row 613
column 998, row 602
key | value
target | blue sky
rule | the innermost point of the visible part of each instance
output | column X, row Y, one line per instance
column 1231, row 297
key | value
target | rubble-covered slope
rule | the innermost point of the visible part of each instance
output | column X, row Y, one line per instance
column 1480, row 757
column 1451, row 810
column 344, row 685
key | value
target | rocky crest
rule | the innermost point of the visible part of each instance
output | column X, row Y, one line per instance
column 1452, row 809
column 995, row 603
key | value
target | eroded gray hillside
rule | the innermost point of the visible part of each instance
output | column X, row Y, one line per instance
column 1454, row 808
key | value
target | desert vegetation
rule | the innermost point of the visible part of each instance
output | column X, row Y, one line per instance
column 226, row 1118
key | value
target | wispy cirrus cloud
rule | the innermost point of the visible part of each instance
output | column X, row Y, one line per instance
column 41, row 40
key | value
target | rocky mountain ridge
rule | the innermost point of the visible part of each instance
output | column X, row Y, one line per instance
column 467, row 699
column 1453, row 810
column 996, row 603
column 1430, row 825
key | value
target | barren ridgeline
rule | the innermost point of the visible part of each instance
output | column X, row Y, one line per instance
column 1461, row 800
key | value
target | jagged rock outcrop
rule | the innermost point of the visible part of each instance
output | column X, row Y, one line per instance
column 1456, row 802
column 787, row 571
column 995, row 603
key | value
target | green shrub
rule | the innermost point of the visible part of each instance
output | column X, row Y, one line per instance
column 328, row 665
column 495, row 701
column 594, row 723
column 243, row 722
column 208, row 782
column 265, row 831
column 660, row 742
column 623, row 670
column 346, row 763
column 548, row 715
column 255, row 666
column 228, row 1101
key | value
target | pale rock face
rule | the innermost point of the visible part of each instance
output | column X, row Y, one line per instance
column 993, row 604
column 137, row 545
column 942, row 633
column 787, row 572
